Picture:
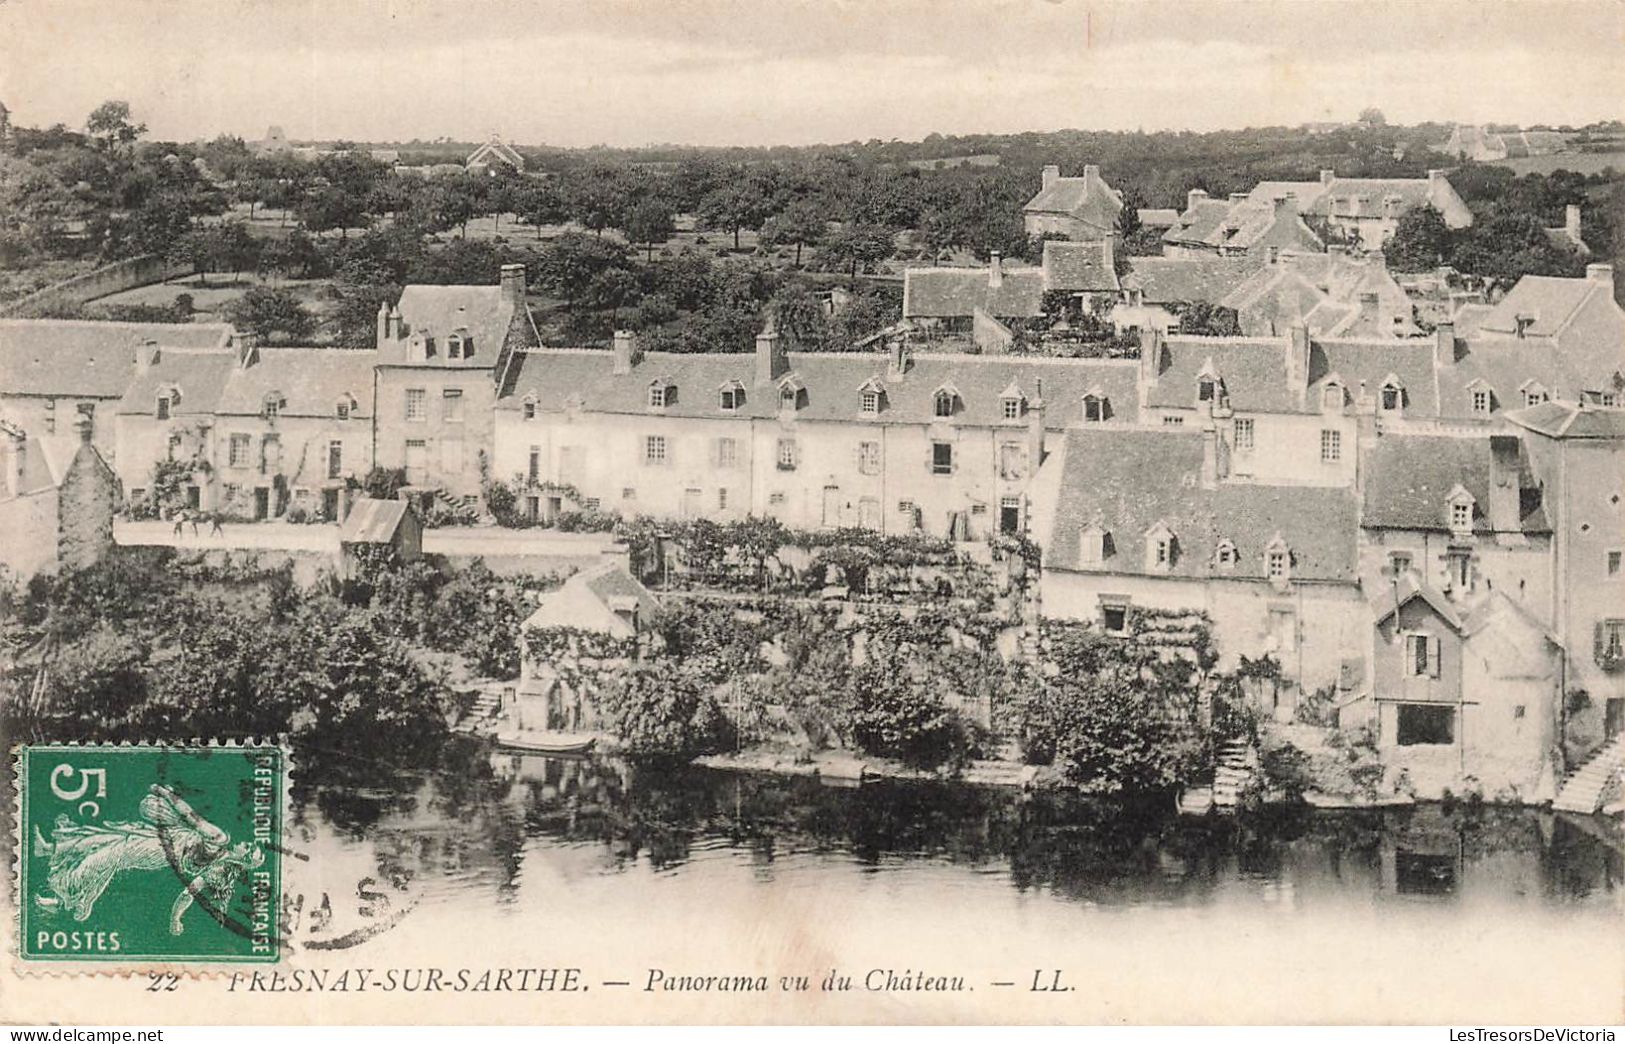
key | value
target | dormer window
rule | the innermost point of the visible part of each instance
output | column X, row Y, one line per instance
column 662, row 393
column 1482, row 397
column 459, row 345
column 944, row 402
column 871, row 397
column 790, row 392
column 1160, row 548
column 1096, row 408
column 529, row 408
column 1535, row 393
column 1391, row 396
column 731, row 396
column 871, row 402
column 1094, row 545
column 272, row 405
column 166, row 403
column 1459, row 511
column 1278, row 562
column 1331, row 396
column 1011, row 407
column 1207, row 389
column 1225, row 556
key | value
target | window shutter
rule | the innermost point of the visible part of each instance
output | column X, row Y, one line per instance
column 1433, row 657
column 1599, row 641
column 716, row 453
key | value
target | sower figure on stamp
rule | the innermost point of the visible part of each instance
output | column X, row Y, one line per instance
column 84, row 858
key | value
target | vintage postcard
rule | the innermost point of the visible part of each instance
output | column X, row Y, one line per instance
column 1014, row 511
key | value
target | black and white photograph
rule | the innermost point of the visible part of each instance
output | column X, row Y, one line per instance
column 805, row 512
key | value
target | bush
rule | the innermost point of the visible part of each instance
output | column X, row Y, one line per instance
column 659, row 710
column 894, row 717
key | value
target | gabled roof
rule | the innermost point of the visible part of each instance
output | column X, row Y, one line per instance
column 87, row 358
column 1410, row 478
column 1080, row 266
column 982, row 381
column 373, row 521
column 200, row 375
column 437, row 311
column 1254, row 369
column 942, row 293
column 1199, row 224
column 495, row 151
column 1100, row 478
column 1368, row 362
column 600, row 600
column 1408, row 588
column 1166, row 280
column 309, row 380
column 1087, row 198
column 1563, row 420
column 1552, row 301
column 46, row 462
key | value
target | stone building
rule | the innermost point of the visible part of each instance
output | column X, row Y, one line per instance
column 1076, row 208
column 57, row 496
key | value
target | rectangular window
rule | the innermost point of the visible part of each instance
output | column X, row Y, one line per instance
column 1421, row 656
column 1481, row 401
column 335, row 459
column 787, row 455
column 1613, row 563
column 776, row 499
column 722, row 499
column 530, row 411
column 417, row 461
column 654, row 449
column 1331, row 446
column 732, row 398
column 869, row 458
column 1171, row 420
column 1244, row 434
column 628, row 493
column 1611, row 638
column 1114, row 617
column 727, row 453
column 1283, row 623
column 1012, row 460
column 1399, row 563
column 1422, row 724
column 1275, row 565
column 342, row 411
column 174, row 445
column 942, row 458
column 238, row 452
column 417, row 408
column 451, row 405
column 1012, row 409
column 163, row 407
column 871, row 402
column 1459, row 570
column 533, row 467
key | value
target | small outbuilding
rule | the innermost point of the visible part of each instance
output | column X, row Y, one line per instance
column 375, row 524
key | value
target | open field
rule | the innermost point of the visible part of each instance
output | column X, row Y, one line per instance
column 1579, row 162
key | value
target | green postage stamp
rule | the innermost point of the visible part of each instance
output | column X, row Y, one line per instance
column 150, row 853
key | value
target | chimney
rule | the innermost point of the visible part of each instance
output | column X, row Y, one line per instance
column 146, row 353
column 1091, row 172
column 513, row 285
column 1297, row 358
column 1210, row 456
column 1522, row 322
column 1052, row 174
column 383, row 323
column 1571, row 221
column 995, row 269
column 1368, row 306
column 1150, row 355
column 247, row 345
column 625, row 353
column 85, row 426
column 1283, row 204
column 1504, row 508
column 1195, row 196
column 1327, row 177
column 1600, row 272
column 1444, row 346
column 771, row 362
column 1035, row 429
column 1435, row 178
column 898, row 362
column 1238, row 197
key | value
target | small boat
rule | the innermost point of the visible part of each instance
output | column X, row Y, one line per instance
column 529, row 741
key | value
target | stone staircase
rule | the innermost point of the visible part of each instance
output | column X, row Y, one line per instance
column 1587, row 785
column 1238, row 763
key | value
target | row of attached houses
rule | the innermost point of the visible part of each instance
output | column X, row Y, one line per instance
column 1441, row 510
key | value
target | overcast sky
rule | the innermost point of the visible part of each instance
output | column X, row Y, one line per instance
column 575, row 72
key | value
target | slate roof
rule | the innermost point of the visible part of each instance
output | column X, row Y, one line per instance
column 1127, row 480
column 1371, row 361
column 200, row 375
column 614, row 586
column 1552, row 301
column 1409, row 477
column 942, row 293
column 86, row 358
column 1080, row 266
column 1164, row 280
column 1562, row 420
column 309, row 381
column 1198, row 225
column 1253, row 370
column 1158, row 217
column 830, row 383
column 438, row 311
column 1408, row 589
column 373, row 521
column 1302, row 193
column 1086, row 198
column 46, row 461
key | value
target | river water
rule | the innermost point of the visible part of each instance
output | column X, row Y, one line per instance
column 636, row 875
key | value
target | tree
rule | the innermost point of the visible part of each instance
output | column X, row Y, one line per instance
column 110, row 125
column 1373, row 117
column 651, row 224
column 1421, row 241
column 569, row 264
column 330, row 207
column 893, row 715
column 538, row 203
column 732, row 209
column 801, row 223
column 1206, row 319
column 610, row 290
column 661, row 710
column 857, row 246
column 275, row 316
